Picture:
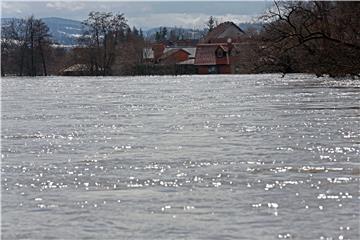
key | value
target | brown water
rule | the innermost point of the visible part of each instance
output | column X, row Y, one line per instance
column 191, row 157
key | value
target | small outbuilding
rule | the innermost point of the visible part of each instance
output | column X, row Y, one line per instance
column 76, row 70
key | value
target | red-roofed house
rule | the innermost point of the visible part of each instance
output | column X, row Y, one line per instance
column 174, row 56
column 213, row 58
column 217, row 53
column 160, row 54
column 222, row 32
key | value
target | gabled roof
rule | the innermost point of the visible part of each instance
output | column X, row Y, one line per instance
column 148, row 53
column 223, row 47
column 206, row 54
column 191, row 50
column 223, row 31
column 171, row 52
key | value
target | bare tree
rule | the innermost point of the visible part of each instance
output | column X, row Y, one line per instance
column 129, row 53
column 104, row 32
column 42, row 38
column 320, row 37
column 25, row 45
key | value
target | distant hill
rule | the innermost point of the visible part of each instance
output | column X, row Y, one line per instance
column 199, row 33
column 63, row 31
column 247, row 26
column 66, row 31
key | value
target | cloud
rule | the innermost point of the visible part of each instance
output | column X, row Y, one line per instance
column 140, row 14
column 14, row 7
column 69, row 6
column 146, row 8
column 186, row 20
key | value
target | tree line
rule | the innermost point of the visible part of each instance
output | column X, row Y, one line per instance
column 320, row 37
column 306, row 36
column 27, row 48
column 108, row 38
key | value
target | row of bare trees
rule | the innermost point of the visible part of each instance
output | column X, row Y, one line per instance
column 25, row 47
column 306, row 36
column 311, row 36
column 111, row 46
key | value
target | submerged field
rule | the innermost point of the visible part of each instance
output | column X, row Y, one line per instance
column 195, row 157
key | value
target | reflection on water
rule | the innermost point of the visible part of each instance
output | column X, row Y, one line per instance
column 199, row 157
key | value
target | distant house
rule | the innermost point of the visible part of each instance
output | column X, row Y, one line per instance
column 76, row 70
column 213, row 58
column 191, row 50
column 159, row 53
column 158, row 50
column 218, row 52
column 173, row 56
column 148, row 55
column 222, row 32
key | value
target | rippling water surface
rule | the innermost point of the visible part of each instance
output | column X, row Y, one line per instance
column 196, row 157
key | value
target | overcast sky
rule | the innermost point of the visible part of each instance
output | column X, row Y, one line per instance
column 144, row 14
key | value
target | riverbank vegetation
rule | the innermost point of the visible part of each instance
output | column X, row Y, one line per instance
column 306, row 36
column 312, row 36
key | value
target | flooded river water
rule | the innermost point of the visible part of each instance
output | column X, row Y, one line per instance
column 190, row 157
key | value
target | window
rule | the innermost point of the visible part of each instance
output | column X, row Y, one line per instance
column 219, row 53
column 212, row 69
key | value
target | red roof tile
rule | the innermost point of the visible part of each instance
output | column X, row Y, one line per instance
column 206, row 54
